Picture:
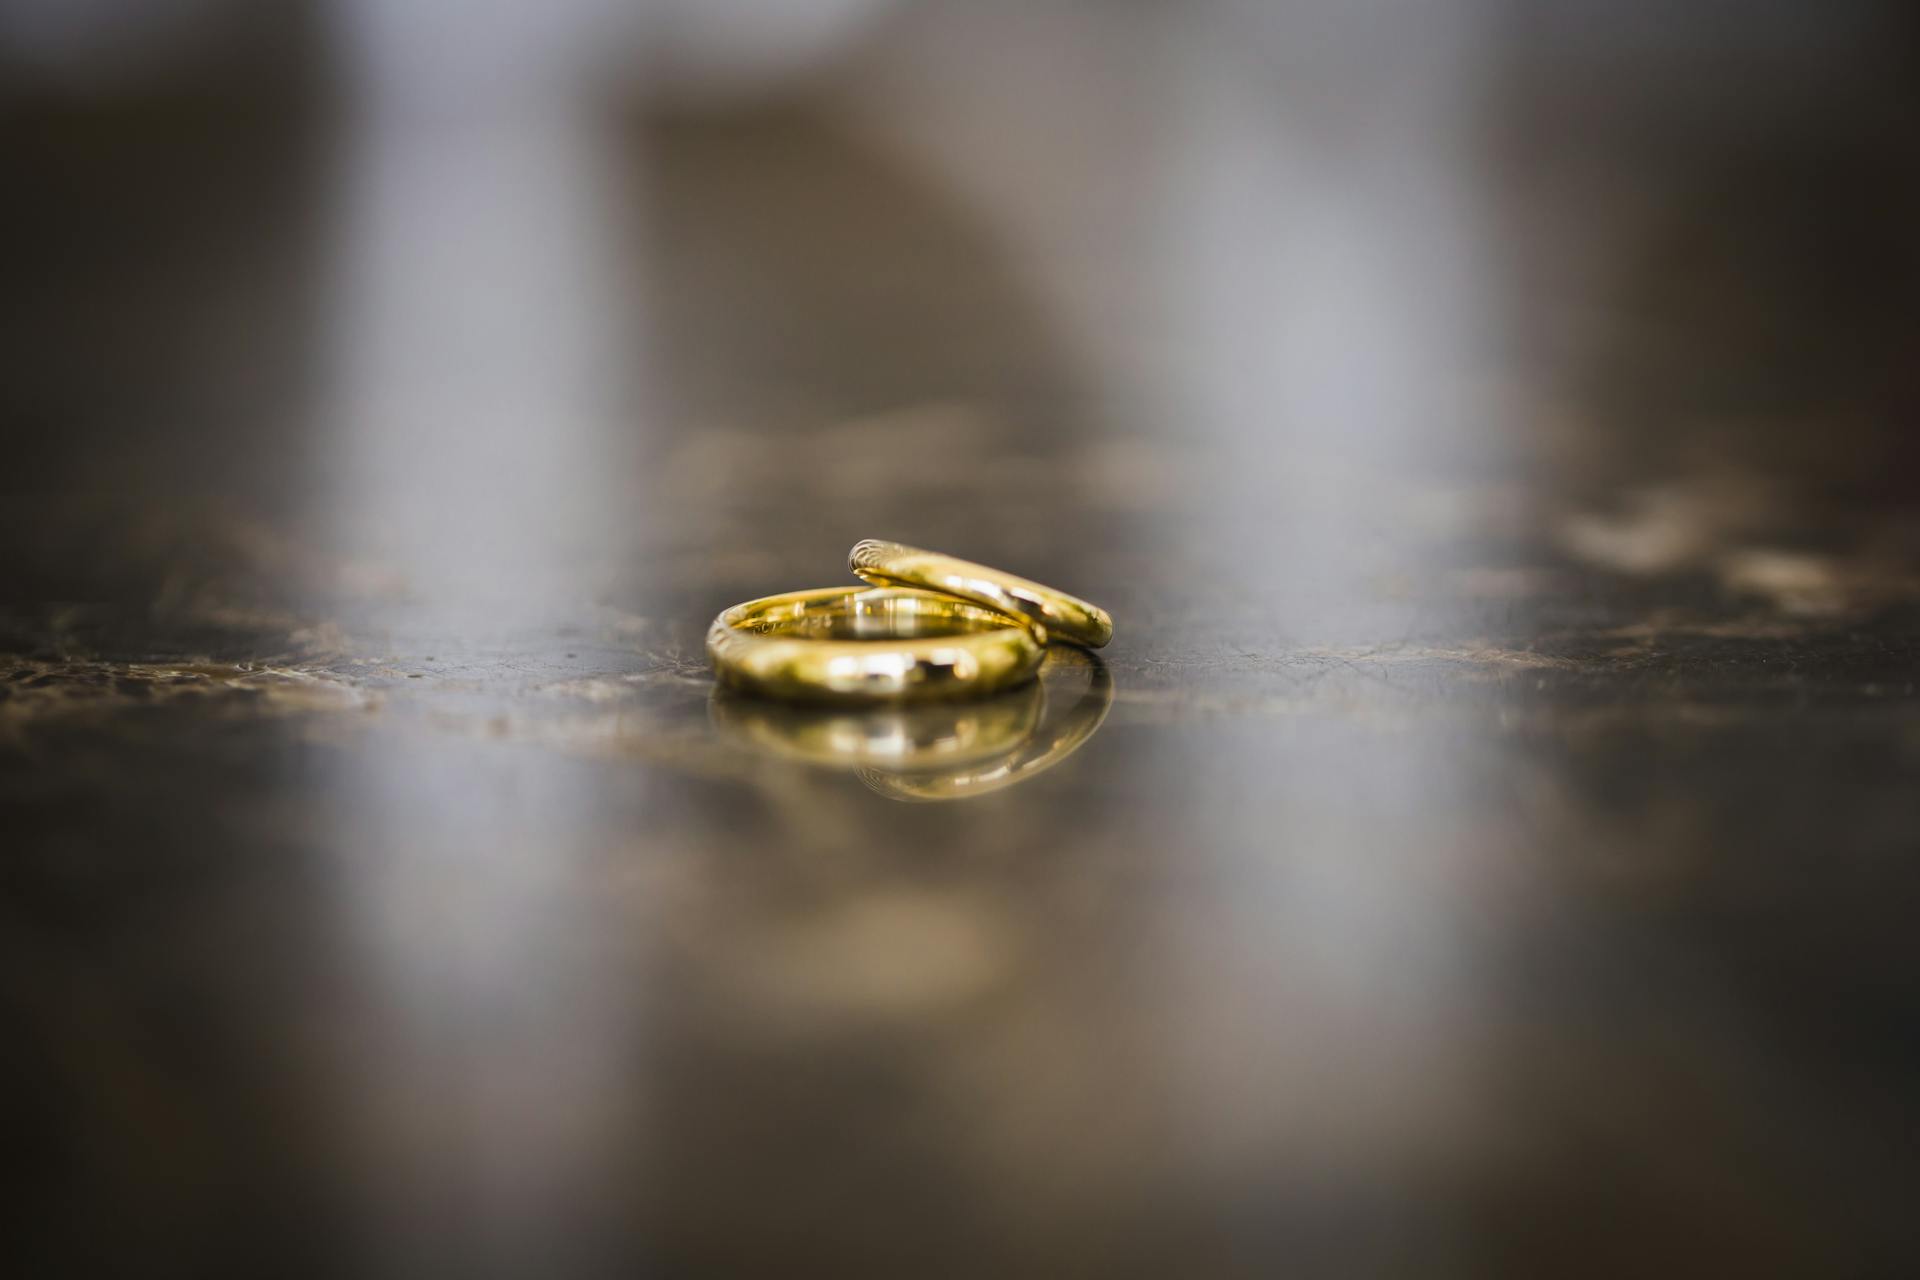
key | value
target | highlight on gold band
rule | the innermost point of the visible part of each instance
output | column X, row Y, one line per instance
column 865, row 644
column 1058, row 615
column 935, row 751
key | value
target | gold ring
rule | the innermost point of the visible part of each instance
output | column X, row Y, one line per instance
column 1057, row 615
column 864, row 644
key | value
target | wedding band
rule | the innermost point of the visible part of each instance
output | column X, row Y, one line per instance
column 865, row 644
column 1057, row 615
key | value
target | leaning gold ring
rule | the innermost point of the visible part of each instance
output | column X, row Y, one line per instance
column 1057, row 615
column 865, row 644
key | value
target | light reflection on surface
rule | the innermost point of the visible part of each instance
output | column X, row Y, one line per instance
column 477, row 365
column 480, row 357
column 933, row 751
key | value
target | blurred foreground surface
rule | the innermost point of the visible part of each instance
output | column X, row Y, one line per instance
column 1491, row 843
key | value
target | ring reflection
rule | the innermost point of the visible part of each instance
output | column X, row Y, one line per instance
column 935, row 751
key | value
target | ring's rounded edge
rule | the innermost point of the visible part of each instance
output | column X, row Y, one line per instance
column 1052, row 613
column 869, row 671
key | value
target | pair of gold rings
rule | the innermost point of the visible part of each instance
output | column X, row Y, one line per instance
column 927, row 627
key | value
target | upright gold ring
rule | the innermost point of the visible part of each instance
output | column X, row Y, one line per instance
column 866, row 644
column 1057, row 615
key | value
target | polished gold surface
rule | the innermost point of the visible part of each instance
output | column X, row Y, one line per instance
column 935, row 751
column 860, row 644
column 1058, row 615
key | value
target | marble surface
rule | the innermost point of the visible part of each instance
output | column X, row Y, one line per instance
column 1488, row 846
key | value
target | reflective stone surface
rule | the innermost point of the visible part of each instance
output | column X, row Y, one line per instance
column 1488, row 845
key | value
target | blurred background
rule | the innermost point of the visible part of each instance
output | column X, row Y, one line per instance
column 1492, row 424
